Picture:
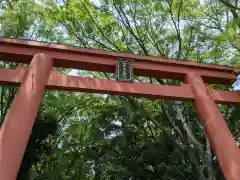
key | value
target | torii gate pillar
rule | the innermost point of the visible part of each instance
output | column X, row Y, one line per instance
column 218, row 133
column 19, row 121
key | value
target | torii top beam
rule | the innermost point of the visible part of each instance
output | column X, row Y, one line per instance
column 103, row 61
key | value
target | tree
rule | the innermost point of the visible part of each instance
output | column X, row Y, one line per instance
column 112, row 137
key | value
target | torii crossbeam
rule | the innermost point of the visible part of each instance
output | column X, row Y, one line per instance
column 17, row 126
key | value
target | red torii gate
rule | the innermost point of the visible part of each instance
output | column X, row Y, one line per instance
column 33, row 80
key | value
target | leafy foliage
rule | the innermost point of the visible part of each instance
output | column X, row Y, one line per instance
column 93, row 137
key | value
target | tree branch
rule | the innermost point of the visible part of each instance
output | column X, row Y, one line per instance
column 229, row 5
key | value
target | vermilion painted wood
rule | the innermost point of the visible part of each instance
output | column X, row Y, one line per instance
column 18, row 123
column 91, row 51
column 82, row 84
column 93, row 85
column 104, row 61
column 224, row 97
column 220, row 137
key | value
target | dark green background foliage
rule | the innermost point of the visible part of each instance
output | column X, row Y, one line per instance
column 81, row 136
